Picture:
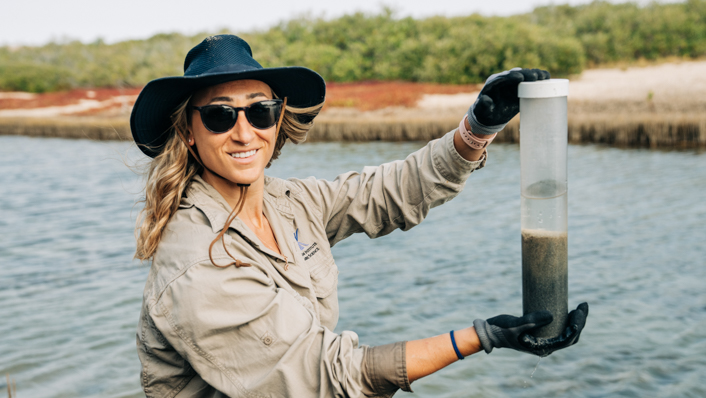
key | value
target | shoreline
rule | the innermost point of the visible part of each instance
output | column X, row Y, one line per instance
column 654, row 106
column 672, row 131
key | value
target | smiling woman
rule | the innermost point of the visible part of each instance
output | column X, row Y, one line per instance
column 242, row 299
column 224, row 140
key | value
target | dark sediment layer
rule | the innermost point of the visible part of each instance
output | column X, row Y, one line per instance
column 545, row 277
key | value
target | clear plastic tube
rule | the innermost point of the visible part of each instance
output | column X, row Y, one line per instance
column 543, row 159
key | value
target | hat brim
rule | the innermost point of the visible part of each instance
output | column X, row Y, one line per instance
column 150, row 120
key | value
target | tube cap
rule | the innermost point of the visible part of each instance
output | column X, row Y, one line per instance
column 544, row 89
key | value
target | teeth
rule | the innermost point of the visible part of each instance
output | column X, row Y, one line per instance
column 243, row 154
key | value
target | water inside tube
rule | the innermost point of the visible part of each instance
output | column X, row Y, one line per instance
column 544, row 189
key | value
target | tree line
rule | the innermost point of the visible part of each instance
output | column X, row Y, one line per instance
column 563, row 39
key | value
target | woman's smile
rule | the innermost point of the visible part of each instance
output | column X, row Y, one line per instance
column 244, row 156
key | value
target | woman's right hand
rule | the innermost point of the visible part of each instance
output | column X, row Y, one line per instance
column 497, row 102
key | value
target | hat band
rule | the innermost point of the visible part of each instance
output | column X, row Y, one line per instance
column 226, row 69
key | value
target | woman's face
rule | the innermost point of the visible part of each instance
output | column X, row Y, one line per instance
column 240, row 154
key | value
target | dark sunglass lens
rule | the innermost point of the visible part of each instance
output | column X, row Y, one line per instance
column 218, row 119
column 264, row 114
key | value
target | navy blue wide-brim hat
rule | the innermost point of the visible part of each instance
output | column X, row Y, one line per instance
column 217, row 59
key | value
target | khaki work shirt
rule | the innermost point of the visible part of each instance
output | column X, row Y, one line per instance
column 267, row 330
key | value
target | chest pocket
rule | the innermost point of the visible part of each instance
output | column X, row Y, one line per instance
column 324, row 273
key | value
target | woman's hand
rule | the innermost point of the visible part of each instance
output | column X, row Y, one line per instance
column 512, row 332
column 543, row 347
column 497, row 102
column 426, row 356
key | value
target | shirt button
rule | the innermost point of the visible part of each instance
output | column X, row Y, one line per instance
column 267, row 340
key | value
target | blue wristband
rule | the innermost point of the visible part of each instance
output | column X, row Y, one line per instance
column 453, row 341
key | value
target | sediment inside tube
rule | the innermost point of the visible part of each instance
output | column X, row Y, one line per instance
column 545, row 277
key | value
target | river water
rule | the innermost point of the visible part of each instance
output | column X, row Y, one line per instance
column 70, row 292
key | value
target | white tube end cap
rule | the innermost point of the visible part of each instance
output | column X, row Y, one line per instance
column 544, row 89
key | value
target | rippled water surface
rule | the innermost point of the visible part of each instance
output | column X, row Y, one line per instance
column 70, row 292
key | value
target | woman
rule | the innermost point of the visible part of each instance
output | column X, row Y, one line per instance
column 241, row 298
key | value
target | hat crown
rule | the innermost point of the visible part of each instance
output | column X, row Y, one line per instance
column 216, row 60
column 219, row 52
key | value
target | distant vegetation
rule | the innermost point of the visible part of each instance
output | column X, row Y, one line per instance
column 563, row 39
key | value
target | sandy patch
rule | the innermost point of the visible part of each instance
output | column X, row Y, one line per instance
column 82, row 106
column 671, row 81
column 669, row 87
column 437, row 101
column 18, row 96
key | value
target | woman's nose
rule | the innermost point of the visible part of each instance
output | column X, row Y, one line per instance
column 242, row 131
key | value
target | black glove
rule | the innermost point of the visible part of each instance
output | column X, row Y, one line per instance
column 497, row 102
column 511, row 332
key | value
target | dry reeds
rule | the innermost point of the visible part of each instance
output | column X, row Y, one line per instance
column 379, row 130
column 84, row 127
column 11, row 387
column 658, row 130
column 630, row 130
column 642, row 130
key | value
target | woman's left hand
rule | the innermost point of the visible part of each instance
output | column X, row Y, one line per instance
column 507, row 331
column 497, row 102
column 543, row 347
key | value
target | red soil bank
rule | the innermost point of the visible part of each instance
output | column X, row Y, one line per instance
column 377, row 95
column 363, row 96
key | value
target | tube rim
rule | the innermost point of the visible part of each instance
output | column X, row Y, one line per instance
column 544, row 89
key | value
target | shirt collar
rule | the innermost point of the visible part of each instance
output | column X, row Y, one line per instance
column 206, row 198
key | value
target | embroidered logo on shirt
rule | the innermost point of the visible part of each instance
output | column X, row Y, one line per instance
column 307, row 253
column 296, row 237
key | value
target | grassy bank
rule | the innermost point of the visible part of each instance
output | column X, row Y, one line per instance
column 649, row 131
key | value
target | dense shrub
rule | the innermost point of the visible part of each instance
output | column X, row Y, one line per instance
column 563, row 39
column 624, row 32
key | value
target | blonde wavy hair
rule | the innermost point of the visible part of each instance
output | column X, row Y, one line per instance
column 169, row 173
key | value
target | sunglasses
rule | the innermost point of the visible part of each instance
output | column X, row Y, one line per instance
column 221, row 118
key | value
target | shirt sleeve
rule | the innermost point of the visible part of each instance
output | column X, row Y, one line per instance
column 393, row 195
column 247, row 337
